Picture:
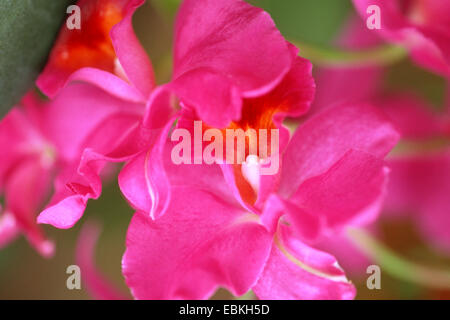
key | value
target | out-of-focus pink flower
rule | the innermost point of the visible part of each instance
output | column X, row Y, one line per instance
column 420, row 187
column 420, row 179
column 67, row 140
column 417, row 185
column 96, row 284
column 422, row 26
column 337, row 84
column 100, row 120
column 104, row 52
column 332, row 177
column 25, row 167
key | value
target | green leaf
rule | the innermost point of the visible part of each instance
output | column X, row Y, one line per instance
column 28, row 29
column 331, row 57
column 312, row 21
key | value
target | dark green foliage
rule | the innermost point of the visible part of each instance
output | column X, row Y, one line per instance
column 28, row 29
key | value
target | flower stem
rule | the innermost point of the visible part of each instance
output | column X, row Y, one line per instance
column 423, row 147
column 332, row 57
column 397, row 266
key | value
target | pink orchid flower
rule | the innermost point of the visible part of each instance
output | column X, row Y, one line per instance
column 117, row 80
column 337, row 84
column 104, row 52
column 25, row 167
column 422, row 26
column 222, row 226
column 419, row 184
column 222, row 82
column 86, row 126
column 333, row 176
column 68, row 141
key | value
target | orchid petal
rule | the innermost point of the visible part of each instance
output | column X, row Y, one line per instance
column 297, row 271
column 322, row 140
column 179, row 257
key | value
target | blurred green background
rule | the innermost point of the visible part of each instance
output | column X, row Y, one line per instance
column 25, row 275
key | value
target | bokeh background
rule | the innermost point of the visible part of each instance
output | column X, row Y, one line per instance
column 26, row 275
